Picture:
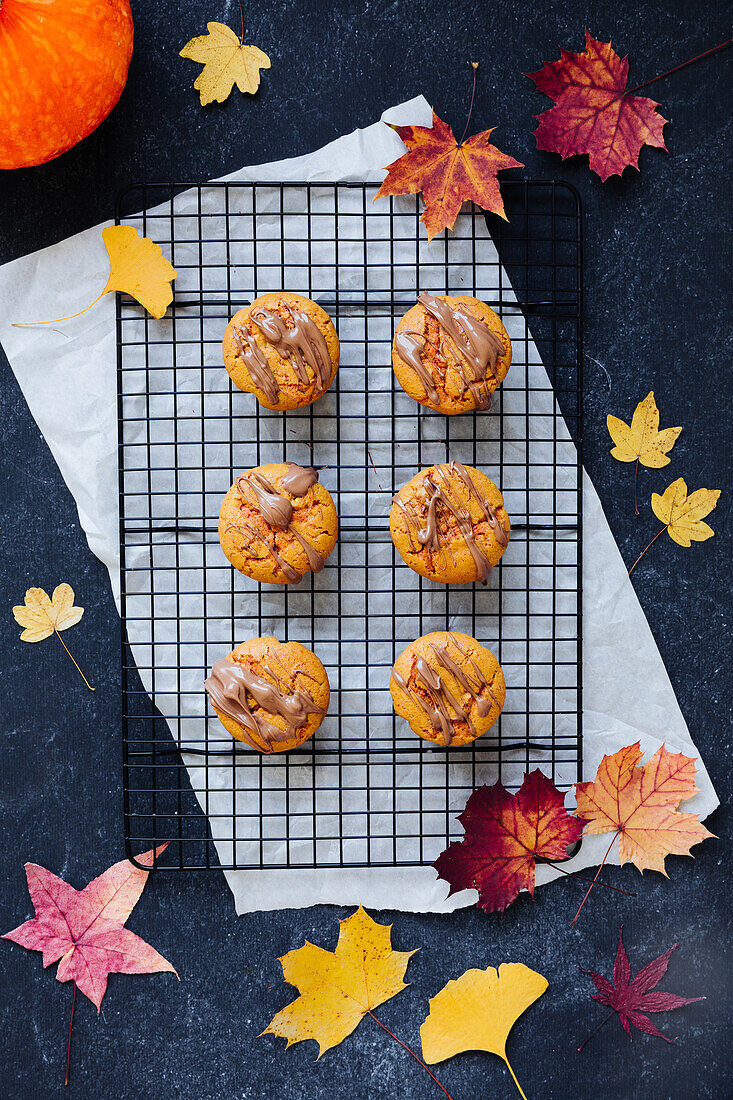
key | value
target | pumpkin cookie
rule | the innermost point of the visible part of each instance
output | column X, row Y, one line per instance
column 451, row 353
column 277, row 523
column 449, row 524
column 449, row 688
column 270, row 695
column 283, row 349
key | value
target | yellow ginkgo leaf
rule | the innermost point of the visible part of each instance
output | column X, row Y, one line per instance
column 139, row 268
column 478, row 1010
column 641, row 440
column 338, row 988
column 41, row 616
column 227, row 61
column 683, row 514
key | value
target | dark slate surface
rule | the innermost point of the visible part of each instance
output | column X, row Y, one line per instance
column 656, row 318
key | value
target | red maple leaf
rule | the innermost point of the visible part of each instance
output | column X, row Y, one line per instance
column 631, row 997
column 505, row 833
column 447, row 173
column 84, row 928
column 593, row 112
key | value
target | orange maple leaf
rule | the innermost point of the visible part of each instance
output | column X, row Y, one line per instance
column 448, row 174
column 593, row 112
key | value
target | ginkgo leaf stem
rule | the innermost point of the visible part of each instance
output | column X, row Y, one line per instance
column 713, row 49
column 636, row 478
column 596, row 1030
column 68, row 1041
column 641, row 555
column 56, row 320
column 474, row 65
column 582, row 878
column 63, row 643
column 600, row 868
column 417, row 1059
column 241, row 13
column 514, row 1079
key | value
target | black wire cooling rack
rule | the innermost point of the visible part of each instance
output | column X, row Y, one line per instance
column 364, row 791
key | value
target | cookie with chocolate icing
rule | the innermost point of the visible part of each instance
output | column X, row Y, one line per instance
column 271, row 695
column 449, row 524
column 278, row 523
column 448, row 687
column 284, row 349
column 451, row 353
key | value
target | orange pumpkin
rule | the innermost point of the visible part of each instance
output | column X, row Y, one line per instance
column 63, row 65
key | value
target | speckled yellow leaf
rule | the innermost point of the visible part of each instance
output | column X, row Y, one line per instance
column 41, row 615
column 139, row 268
column 642, row 439
column 338, row 988
column 227, row 61
column 478, row 1010
column 683, row 514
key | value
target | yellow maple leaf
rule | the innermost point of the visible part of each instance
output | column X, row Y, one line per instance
column 641, row 441
column 137, row 267
column 478, row 1010
column 227, row 61
column 682, row 514
column 338, row 988
column 42, row 615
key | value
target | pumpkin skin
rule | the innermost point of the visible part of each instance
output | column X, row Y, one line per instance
column 63, row 65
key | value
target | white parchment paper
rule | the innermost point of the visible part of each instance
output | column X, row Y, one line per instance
column 69, row 382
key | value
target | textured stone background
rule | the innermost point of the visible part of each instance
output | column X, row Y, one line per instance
column 656, row 317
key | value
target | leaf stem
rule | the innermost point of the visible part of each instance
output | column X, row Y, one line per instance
column 636, row 478
column 600, row 868
column 56, row 320
column 641, row 555
column 514, row 1078
column 582, row 878
column 474, row 65
column 714, row 49
column 412, row 1052
column 63, row 643
column 596, row 1029
column 241, row 13
column 68, row 1041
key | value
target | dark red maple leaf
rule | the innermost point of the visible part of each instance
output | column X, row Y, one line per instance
column 631, row 997
column 593, row 112
column 505, row 834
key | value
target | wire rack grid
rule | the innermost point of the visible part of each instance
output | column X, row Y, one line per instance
column 364, row 791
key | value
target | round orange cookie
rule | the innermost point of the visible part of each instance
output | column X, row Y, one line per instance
column 449, row 688
column 451, row 353
column 284, row 349
column 277, row 523
column 271, row 695
column 449, row 524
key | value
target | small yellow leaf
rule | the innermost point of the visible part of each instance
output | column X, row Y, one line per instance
column 683, row 515
column 642, row 440
column 42, row 615
column 478, row 1010
column 139, row 268
column 227, row 61
column 338, row 988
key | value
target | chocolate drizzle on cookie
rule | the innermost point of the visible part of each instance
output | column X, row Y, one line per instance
column 431, row 692
column 302, row 342
column 277, row 512
column 439, row 487
column 479, row 350
column 256, row 363
column 230, row 686
column 298, row 479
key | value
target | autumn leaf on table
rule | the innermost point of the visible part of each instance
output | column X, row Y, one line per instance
column 227, row 61
column 504, row 835
column 339, row 988
column 641, row 441
column 682, row 515
column 478, row 1010
column 639, row 805
column 83, row 930
column 42, row 616
column 631, row 998
column 593, row 112
column 137, row 267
